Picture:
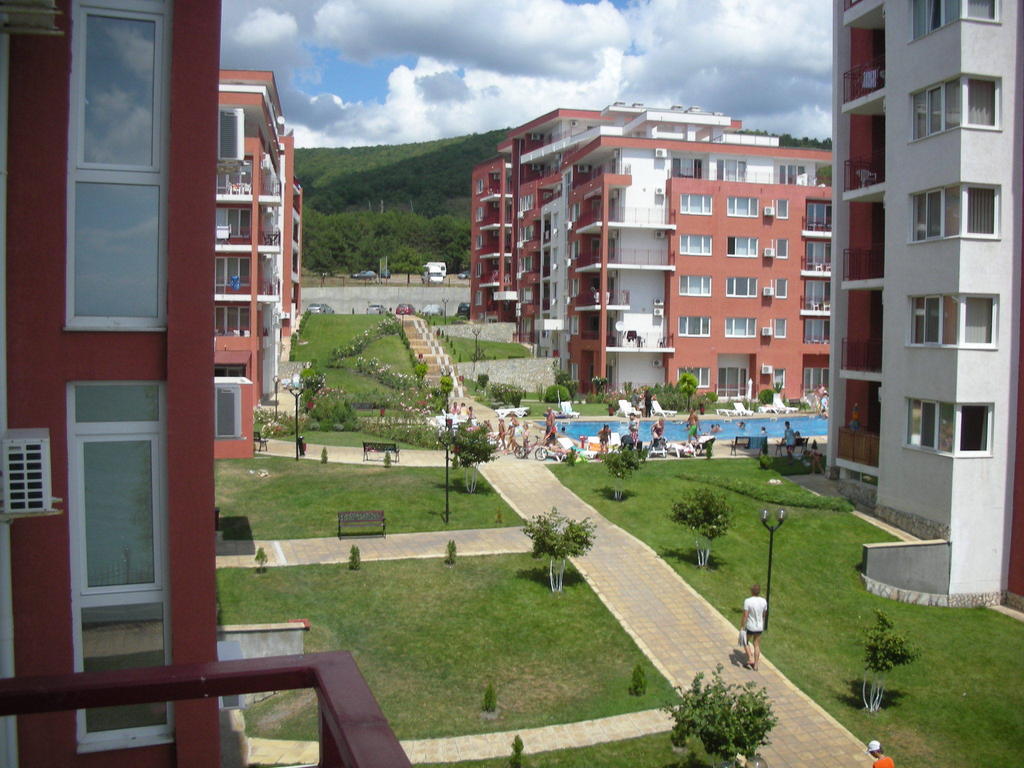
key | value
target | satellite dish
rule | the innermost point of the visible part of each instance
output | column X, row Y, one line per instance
column 620, row 326
column 280, row 119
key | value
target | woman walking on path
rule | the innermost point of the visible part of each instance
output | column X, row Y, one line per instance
column 754, row 609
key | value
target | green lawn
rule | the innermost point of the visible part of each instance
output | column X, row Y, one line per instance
column 461, row 350
column 300, row 499
column 645, row 752
column 323, row 333
column 429, row 638
column 960, row 704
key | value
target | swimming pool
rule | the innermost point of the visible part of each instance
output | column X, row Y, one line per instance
column 807, row 426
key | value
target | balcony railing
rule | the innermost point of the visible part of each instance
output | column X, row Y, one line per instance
column 271, row 237
column 862, row 355
column 228, row 233
column 233, row 286
column 353, row 731
column 237, row 182
column 864, row 79
column 864, row 263
column 814, row 264
column 859, row 446
column 639, row 340
column 813, row 338
column 639, row 257
column 816, row 303
column 863, row 172
column 593, row 298
column 270, row 288
column 817, row 225
column 638, row 215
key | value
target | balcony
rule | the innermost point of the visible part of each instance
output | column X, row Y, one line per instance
column 816, row 267
column 233, row 289
column 353, row 731
column 639, row 341
column 862, row 81
column 590, row 301
column 815, row 306
column 655, row 217
column 627, row 258
column 861, row 177
column 490, row 281
column 862, row 355
column 236, row 183
column 864, row 263
column 813, row 227
column 858, row 446
column 270, row 186
column 270, row 236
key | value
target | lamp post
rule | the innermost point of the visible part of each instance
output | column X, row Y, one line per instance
column 445, row 303
column 295, row 387
column 277, row 384
column 476, row 345
column 447, row 440
column 780, row 519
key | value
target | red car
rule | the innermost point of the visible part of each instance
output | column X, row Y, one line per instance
column 404, row 309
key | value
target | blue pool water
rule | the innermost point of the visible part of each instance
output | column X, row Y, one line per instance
column 675, row 429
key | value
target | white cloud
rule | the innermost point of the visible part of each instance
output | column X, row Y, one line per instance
column 479, row 66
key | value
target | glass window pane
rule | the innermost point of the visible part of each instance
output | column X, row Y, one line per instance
column 981, row 102
column 950, row 319
column 953, row 104
column 123, row 637
column 981, row 211
column 920, row 115
column 118, row 500
column 947, row 422
column 918, row 326
column 928, row 424
column 116, row 402
column 934, row 213
column 931, row 320
column 934, row 110
column 226, row 419
column 974, row 428
column 914, row 423
column 978, row 323
column 981, row 9
column 117, row 250
column 952, row 227
column 119, row 73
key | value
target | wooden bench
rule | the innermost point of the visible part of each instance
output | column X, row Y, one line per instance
column 259, row 441
column 365, row 519
column 740, row 443
column 370, row 449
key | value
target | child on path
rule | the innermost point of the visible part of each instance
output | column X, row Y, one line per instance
column 754, row 609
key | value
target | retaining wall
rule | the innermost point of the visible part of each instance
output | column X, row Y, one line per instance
column 262, row 640
column 529, row 373
column 488, row 331
column 356, row 298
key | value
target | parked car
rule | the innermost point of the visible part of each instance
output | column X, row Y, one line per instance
column 366, row 274
column 463, row 310
column 463, row 275
column 320, row 309
column 431, row 309
column 404, row 309
column 385, row 274
column 375, row 309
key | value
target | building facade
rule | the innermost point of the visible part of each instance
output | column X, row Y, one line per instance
column 257, row 253
column 108, row 142
column 636, row 244
column 927, row 285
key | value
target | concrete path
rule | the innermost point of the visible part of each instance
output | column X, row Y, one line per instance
column 345, row 454
column 678, row 630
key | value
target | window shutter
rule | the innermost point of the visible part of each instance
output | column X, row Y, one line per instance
column 231, row 141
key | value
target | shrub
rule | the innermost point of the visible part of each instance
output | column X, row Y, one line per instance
column 686, row 385
column 446, row 385
column 449, row 553
column 507, row 393
column 490, row 699
column 556, row 393
column 563, row 379
column 353, row 558
column 764, row 460
column 482, row 379
column 621, row 465
column 261, row 560
column 516, row 761
column 420, row 371
column 884, row 650
column 638, row 683
column 709, row 448
column 323, row 455
column 765, row 396
column 708, row 514
column 559, row 538
column 387, row 459
column 332, row 407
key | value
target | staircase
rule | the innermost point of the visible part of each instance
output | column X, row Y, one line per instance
column 428, row 349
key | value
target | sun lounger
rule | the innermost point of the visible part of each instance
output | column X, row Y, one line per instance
column 567, row 444
column 741, row 410
column 680, row 450
column 781, row 407
column 503, row 413
column 658, row 448
column 767, row 409
column 565, row 411
column 659, row 411
column 626, row 409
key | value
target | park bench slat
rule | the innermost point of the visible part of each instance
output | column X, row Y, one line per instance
column 362, row 519
column 371, row 448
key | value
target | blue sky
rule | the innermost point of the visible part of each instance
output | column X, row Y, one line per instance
column 355, row 72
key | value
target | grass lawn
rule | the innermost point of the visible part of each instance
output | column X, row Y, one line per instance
column 429, row 638
column 323, row 333
column 645, row 752
column 461, row 350
column 959, row 704
column 300, row 499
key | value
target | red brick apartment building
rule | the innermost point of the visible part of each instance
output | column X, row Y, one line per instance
column 637, row 244
column 258, row 252
column 108, row 153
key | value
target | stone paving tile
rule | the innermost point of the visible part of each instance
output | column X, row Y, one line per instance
column 344, row 454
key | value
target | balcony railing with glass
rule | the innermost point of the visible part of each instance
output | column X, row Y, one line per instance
column 634, row 257
column 638, row 215
column 816, row 303
column 864, row 79
column 864, row 263
column 639, row 340
column 270, row 186
column 863, row 172
column 237, row 182
column 618, row 298
column 858, row 446
column 227, row 233
column 862, row 355
column 270, row 236
column 816, row 264
column 812, row 224
column 238, row 286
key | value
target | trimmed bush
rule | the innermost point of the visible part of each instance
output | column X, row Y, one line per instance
column 556, row 393
column 490, row 699
column 638, row 683
column 506, row 393
column 765, row 396
column 354, row 561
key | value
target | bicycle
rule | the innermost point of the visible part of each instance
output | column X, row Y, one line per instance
column 523, row 451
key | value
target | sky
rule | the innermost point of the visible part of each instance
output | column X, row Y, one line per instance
column 365, row 72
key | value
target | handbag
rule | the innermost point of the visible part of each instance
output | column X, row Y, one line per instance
column 743, row 638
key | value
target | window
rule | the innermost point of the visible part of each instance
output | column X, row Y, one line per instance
column 814, row 378
column 699, row 205
column 741, row 287
column 782, row 209
column 695, row 245
column 695, row 326
column 818, row 256
column 779, row 379
column 742, row 246
column 236, row 220
column 937, row 213
column 116, row 465
column 981, row 102
column 817, row 295
column 479, row 213
column 819, row 217
column 981, row 211
column 944, row 320
column 687, row 168
column 231, row 321
column 479, row 241
column 742, row 206
column 782, row 248
column 947, row 427
column 939, row 107
column 731, row 170
column 929, row 15
column 574, row 287
column 231, row 275
column 703, row 376
column 780, row 327
column 732, row 382
column 695, row 285
column 479, row 298
column 781, row 288
column 740, row 327
column 574, row 325
column 816, row 330
column 981, row 9
column 228, row 408
column 793, row 174
column 479, row 186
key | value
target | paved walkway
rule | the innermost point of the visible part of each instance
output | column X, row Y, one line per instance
column 345, row 454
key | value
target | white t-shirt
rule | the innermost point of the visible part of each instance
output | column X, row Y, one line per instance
column 755, row 608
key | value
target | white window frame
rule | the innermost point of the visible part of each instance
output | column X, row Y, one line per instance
column 733, row 207
column 686, row 285
column 732, row 330
column 703, row 376
column 706, row 243
column 961, row 321
column 914, row 441
column 704, row 321
column 779, row 378
column 748, row 284
column 733, row 241
column 921, row 103
column 479, row 186
column 780, row 327
column 152, row 175
column 961, row 205
column 82, row 595
column 815, row 377
column 228, row 310
column 816, row 322
column 705, row 204
column 781, row 288
column 782, row 209
column 960, row 11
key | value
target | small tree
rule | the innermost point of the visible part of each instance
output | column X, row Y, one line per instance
column 490, row 699
column 354, row 560
column 420, row 371
column 261, row 560
column 559, row 538
column 687, row 385
column 728, row 719
column 708, row 514
column 638, row 683
column 516, row 761
column 621, row 465
column 323, row 455
column 884, row 649
column 449, row 554
column 471, row 447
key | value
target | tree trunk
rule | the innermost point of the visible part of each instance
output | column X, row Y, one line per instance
column 471, row 478
column 872, row 690
column 703, row 551
column 617, row 488
column 555, row 577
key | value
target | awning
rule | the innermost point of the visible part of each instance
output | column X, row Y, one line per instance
column 231, row 356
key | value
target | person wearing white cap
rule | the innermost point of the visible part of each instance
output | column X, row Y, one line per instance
column 881, row 760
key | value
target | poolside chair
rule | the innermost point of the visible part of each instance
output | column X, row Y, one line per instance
column 657, row 410
column 767, row 409
column 681, row 449
column 503, row 413
column 725, row 411
column 781, row 407
column 658, row 449
column 742, row 410
column 702, row 444
column 565, row 411
column 626, row 409
column 568, row 444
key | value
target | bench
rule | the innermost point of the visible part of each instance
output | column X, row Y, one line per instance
column 365, row 519
column 370, row 449
column 259, row 441
column 740, row 443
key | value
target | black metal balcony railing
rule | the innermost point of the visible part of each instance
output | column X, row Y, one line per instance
column 237, row 182
column 864, row 79
column 864, row 263
column 353, row 731
column 863, row 172
column 812, row 264
column 814, row 224
column 271, row 237
column 859, row 446
column 862, row 355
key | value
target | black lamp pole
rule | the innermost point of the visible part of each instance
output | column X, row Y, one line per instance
column 771, row 547
column 445, row 303
column 447, row 445
column 295, row 387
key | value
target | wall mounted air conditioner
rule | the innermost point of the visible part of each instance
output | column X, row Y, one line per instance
column 769, row 210
column 659, row 302
column 26, row 473
column 659, row 311
column 656, row 362
column 766, row 368
column 768, row 291
column 766, row 330
column 659, row 234
column 661, row 153
column 231, row 138
column 769, row 253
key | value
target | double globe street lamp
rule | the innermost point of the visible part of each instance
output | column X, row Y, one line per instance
column 772, row 528
column 294, row 385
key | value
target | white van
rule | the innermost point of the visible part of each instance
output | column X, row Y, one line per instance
column 434, row 272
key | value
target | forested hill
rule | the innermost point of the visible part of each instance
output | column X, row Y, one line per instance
column 429, row 178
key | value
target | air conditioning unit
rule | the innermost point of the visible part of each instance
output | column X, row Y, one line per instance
column 656, row 362
column 659, row 302
column 659, row 190
column 769, row 253
column 231, row 138
column 766, row 369
column 26, row 472
column 661, row 153
column 769, row 210
column 659, row 234
column 766, row 330
column 659, row 311
column 768, row 291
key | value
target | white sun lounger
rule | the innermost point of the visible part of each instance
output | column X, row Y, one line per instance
column 565, row 411
column 741, row 410
column 503, row 413
column 659, row 411
column 626, row 409
column 781, row 407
